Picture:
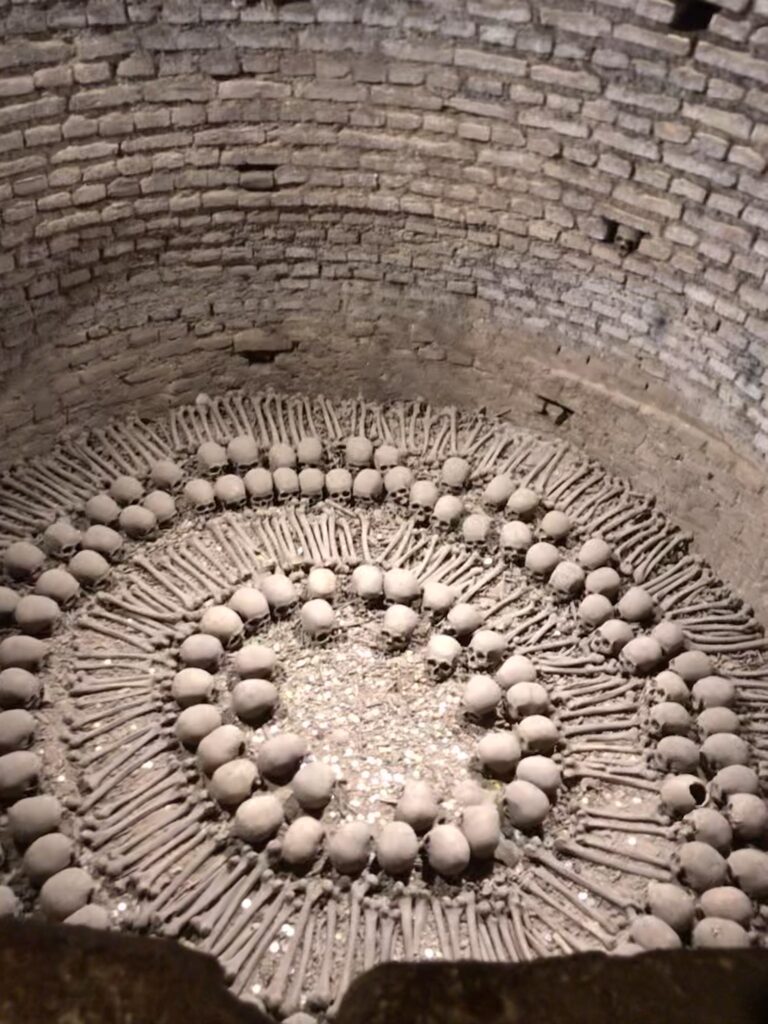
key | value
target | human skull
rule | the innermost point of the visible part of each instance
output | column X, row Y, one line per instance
column 102, row 509
column 454, row 474
column 641, row 656
column 398, row 626
column 61, row 539
column 23, row 560
column 594, row 610
column 567, row 580
column 481, row 696
column 737, row 778
column 526, row 698
column 611, row 637
column 386, row 457
column 498, row 491
column 60, row 585
column 104, row 539
column 677, row 755
column 243, row 451
column 594, row 553
column 635, row 605
column 230, row 491
column 486, row 649
column 281, row 456
column 309, row 452
column 367, row 583
column 252, row 607
column 401, row 586
column 714, row 720
column 422, row 498
column 523, row 503
column 397, row 484
column 318, row 620
column 541, row 559
column 442, row 656
column 556, row 526
column 462, row 621
column 36, row 615
column 669, row 636
column 224, row 623
column 516, row 669
column 437, row 599
column 162, row 505
column 668, row 686
column 668, row 718
column 712, row 692
column 199, row 495
column 260, row 485
column 166, row 475
column 692, row 666
column 312, row 483
column 89, row 568
column 475, row 530
column 322, row 582
column 515, row 538
column 280, row 593
column 604, row 580
column 126, row 489
column 699, row 866
column 368, row 487
column 211, row 458
column 538, row 735
column 286, row 482
column 447, row 512
column 138, row 522
column 721, row 750
column 358, row 452
column 338, row 484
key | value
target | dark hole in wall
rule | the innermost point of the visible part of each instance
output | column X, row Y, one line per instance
column 623, row 236
column 693, row 15
column 554, row 410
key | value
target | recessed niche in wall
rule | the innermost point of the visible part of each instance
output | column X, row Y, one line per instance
column 622, row 236
column 693, row 15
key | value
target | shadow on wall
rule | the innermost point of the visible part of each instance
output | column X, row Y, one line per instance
column 97, row 977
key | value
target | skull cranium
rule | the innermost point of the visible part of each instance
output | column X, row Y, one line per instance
column 200, row 495
column 486, row 649
column 398, row 626
column 318, row 620
column 442, row 656
column 397, row 484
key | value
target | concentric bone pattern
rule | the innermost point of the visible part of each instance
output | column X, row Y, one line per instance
column 577, row 698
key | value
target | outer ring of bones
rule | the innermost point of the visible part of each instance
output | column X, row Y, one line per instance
column 597, row 659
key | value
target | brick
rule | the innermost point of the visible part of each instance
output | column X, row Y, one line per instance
column 579, row 22
column 179, row 88
column 483, row 60
column 732, row 61
column 626, row 143
column 670, row 209
column 19, row 86
column 30, row 113
column 727, row 121
column 657, row 102
column 580, row 81
column 98, row 99
column 666, row 43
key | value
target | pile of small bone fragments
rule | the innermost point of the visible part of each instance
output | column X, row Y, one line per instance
column 312, row 685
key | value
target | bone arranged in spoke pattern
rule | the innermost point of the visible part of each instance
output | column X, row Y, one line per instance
column 440, row 594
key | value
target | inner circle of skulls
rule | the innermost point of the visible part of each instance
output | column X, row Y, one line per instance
column 312, row 685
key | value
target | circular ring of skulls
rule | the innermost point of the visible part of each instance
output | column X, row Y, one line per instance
column 313, row 685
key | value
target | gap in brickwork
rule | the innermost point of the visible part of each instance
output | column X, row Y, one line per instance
column 693, row 15
column 622, row 236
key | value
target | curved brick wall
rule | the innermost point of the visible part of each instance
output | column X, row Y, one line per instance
column 413, row 197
